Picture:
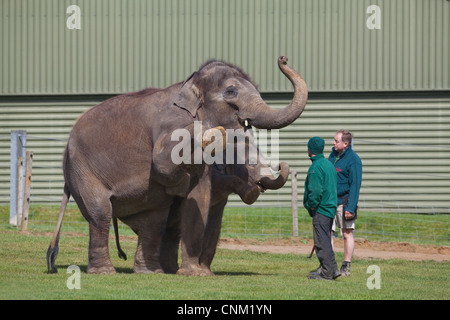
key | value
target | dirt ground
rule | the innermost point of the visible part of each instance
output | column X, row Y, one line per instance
column 363, row 248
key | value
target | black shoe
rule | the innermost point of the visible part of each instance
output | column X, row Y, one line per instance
column 336, row 274
column 318, row 273
column 318, row 276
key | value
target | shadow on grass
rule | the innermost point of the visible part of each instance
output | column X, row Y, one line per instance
column 83, row 268
column 120, row 270
column 231, row 273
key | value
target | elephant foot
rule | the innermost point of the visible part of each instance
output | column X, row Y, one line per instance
column 101, row 270
column 147, row 271
column 170, row 269
column 139, row 268
column 195, row 271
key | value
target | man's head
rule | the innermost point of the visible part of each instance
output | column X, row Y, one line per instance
column 315, row 146
column 342, row 140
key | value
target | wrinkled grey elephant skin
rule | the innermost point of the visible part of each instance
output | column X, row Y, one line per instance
column 226, row 179
column 117, row 162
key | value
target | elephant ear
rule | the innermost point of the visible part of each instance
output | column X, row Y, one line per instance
column 190, row 97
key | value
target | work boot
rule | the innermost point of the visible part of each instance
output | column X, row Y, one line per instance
column 318, row 273
column 318, row 276
column 336, row 274
column 345, row 269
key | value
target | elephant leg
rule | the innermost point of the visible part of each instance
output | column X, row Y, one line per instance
column 97, row 209
column 212, row 234
column 194, row 211
column 99, row 259
column 149, row 226
column 171, row 240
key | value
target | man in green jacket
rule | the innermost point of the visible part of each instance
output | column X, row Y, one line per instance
column 320, row 199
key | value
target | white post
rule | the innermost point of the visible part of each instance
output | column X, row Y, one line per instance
column 18, row 149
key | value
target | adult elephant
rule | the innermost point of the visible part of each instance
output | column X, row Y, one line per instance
column 118, row 160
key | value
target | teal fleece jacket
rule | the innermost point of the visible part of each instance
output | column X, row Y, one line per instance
column 349, row 176
column 320, row 187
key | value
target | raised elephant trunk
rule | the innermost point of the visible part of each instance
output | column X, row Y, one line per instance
column 274, row 184
column 264, row 117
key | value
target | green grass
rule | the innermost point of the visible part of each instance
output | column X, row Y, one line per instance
column 255, row 222
column 373, row 226
column 239, row 275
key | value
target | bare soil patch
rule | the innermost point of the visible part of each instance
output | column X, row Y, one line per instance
column 364, row 249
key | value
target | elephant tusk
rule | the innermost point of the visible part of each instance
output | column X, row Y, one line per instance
column 261, row 188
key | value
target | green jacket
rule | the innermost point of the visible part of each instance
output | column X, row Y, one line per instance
column 320, row 187
column 349, row 176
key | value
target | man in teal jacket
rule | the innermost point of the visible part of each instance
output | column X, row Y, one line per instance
column 320, row 199
column 349, row 175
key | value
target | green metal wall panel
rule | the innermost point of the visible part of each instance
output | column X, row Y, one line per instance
column 128, row 45
column 48, row 124
column 404, row 144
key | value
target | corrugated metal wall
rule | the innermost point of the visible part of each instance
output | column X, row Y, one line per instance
column 403, row 143
column 128, row 45
column 49, row 75
column 48, row 123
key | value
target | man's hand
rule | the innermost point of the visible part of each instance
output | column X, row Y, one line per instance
column 348, row 215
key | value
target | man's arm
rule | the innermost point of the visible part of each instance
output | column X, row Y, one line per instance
column 355, row 179
column 314, row 191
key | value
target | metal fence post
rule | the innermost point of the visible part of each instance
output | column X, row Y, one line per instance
column 294, row 202
column 18, row 149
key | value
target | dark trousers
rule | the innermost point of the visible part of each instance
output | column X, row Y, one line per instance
column 322, row 243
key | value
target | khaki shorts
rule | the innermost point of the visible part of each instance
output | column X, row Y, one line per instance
column 340, row 221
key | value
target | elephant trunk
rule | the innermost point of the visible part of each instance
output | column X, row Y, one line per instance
column 274, row 184
column 264, row 117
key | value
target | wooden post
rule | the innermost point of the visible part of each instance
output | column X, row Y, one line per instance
column 20, row 188
column 26, row 205
column 294, row 202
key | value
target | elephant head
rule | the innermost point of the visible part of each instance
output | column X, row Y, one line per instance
column 222, row 94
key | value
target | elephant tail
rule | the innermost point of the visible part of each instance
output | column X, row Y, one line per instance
column 52, row 251
column 122, row 254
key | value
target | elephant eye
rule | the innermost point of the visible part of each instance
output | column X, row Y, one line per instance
column 230, row 92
